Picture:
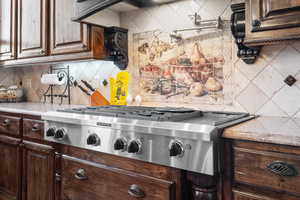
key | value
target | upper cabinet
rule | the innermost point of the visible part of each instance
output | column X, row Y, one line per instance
column 7, row 29
column 269, row 21
column 41, row 31
column 67, row 36
column 32, row 28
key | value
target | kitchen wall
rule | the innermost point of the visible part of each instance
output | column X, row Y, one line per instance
column 257, row 88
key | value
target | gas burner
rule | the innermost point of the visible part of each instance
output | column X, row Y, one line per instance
column 139, row 112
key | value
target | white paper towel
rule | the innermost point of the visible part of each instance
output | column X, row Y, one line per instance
column 52, row 79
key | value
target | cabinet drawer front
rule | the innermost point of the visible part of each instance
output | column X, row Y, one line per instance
column 268, row 169
column 33, row 129
column 82, row 180
column 10, row 125
column 255, row 195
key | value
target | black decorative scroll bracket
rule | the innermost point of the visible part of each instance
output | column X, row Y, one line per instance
column 116, row 43
column 247, row 54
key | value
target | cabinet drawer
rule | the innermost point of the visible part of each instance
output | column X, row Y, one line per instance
column 33, row 129
column 83, row 180
column 10, row 125
column 279, row 171
column 256, row 195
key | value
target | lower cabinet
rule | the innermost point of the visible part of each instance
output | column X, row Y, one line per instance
column 38, row 172
column 10, row 168
column 84, row 180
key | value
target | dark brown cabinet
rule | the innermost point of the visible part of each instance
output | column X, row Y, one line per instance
column 38, row 172
column 258, row 171
column 10, row 168
column 32, row 28
column 269, row 21
column 66, row 36
column 84, row 180
column 41, row 31
column 7, row 29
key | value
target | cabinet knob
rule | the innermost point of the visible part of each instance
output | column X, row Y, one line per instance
column 6, row 123
column 136, row 191
column 35, row 128
column 42, row 51
column 80, row 174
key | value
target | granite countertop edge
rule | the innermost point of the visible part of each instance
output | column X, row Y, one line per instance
column 30, row 108
column 273, row 130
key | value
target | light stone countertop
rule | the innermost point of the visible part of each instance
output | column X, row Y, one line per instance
column 276, row 130
column 32, row 108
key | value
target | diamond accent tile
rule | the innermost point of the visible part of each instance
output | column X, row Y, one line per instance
column 287, row 62
column 251, row 71
column 288, row 99
column 269, row 81
column 252, row 98
column 271, row 109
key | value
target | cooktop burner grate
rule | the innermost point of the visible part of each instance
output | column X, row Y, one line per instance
column 139, row 112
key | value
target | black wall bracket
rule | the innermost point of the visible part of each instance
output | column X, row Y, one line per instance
column 247, row 54
column 116, row 43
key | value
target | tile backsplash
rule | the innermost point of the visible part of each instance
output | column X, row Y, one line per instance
column 257, row 88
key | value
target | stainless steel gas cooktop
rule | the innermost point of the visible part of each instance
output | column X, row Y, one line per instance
column 178, row 137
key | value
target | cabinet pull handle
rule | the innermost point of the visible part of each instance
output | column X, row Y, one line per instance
column 6, row 123
column 282, row 169
column 80, row 174
column 35, row 128
column 136, row 191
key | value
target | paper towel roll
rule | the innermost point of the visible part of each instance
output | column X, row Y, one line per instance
column 52, row 79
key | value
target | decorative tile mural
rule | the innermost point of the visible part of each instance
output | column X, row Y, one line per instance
column 188, row 70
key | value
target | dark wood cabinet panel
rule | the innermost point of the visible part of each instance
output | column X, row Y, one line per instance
column 253, row 167
column 270, row 21
column 245, row 193
column 33, row 129
column 260, row 171
column 7, row 29
column 66, row 36
column 38, row 172
column 10, row 168
column 84, row 180
column 32, row 28
column 10, row 125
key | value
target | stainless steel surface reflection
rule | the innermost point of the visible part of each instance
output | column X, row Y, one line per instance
column 198, row 138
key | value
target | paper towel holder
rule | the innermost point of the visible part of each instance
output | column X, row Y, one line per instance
column 62, row 72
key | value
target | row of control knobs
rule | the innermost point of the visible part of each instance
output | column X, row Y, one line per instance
column 134, row 146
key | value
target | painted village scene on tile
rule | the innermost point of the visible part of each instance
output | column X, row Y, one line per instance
column 170, row 68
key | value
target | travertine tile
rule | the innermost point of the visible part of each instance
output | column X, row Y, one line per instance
column 287, row 62
column 269, row 81
column 252, row 98
column 288, row 99
column 271, row 109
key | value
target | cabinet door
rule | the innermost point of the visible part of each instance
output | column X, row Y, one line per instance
column 38, row 172
column 274, row 14
column 270, row 21
column 84, row 180
column 7, row 29
column 66, row 36
column 32, row 28
column 10, row 176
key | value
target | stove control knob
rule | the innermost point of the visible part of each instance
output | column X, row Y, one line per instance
column 60, row 134
column 93, row 140
column 120, row 144
column 50, row 132
column 176, row 149
column 135, row 146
